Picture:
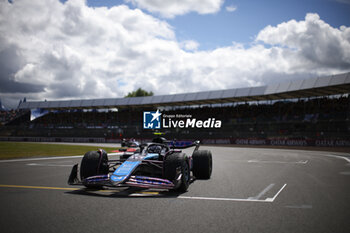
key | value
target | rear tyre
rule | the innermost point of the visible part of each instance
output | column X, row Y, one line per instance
column 175, row 163
column 94, row 163
column 202, row 164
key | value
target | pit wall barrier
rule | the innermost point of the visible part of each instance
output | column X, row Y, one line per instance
column 234, row 141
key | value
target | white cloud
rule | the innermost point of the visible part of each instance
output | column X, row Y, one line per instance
column 189, row 45
column 71, row 51
column 172, row 8
column 313, row 41
column 231, row 8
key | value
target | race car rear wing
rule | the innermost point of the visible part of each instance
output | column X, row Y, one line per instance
column 174, row 146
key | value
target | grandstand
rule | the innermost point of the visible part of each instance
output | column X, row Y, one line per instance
column 306, row 88
column 314, row 111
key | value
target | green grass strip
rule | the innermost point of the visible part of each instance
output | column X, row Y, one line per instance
column 10, row 150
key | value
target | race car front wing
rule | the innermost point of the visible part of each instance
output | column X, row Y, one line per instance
column 130, row 181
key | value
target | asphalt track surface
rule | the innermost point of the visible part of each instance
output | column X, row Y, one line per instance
column 251, row 190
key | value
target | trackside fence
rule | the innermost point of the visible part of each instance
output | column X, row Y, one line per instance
column 234, row 141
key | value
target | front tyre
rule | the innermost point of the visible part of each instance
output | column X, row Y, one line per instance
column 174, row 165
column 202, row 164
column 94, row 163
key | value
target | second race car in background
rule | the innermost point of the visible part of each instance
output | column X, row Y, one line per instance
column 130, row 143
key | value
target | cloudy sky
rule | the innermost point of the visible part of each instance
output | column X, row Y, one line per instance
column 51, row 49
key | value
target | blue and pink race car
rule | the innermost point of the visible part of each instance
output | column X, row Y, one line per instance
column 160, row 164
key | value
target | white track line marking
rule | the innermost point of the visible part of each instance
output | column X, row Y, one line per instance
column 262, row 192
column 47, row 158
column 303, row 162
column 49, row 165
column 282, row 162
column 38, row 159
column 239, row 199
column 222, row 199
column 272, row 199
column 267, row 200
column 347, row 159
column 299, row 206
